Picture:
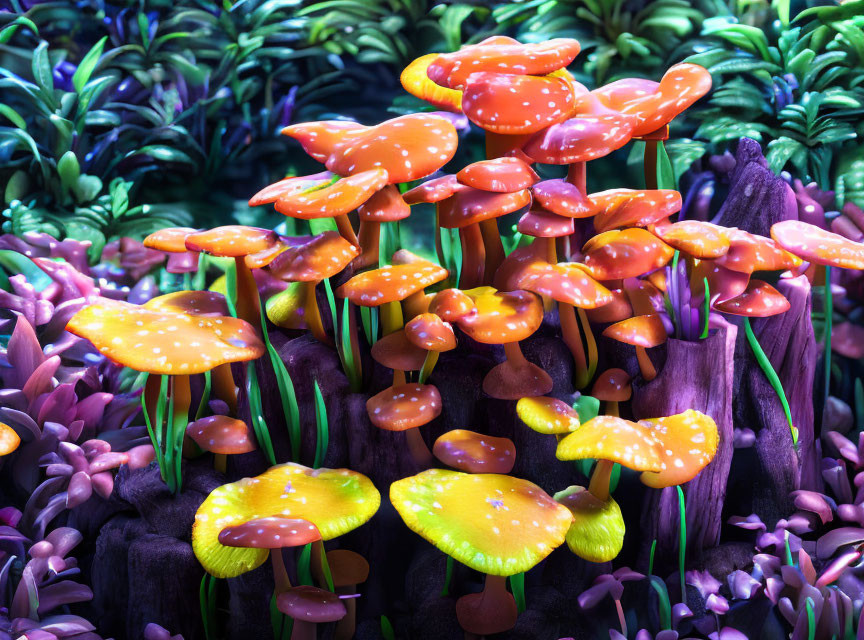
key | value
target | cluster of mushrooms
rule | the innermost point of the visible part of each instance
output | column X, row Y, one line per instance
column 599, row 258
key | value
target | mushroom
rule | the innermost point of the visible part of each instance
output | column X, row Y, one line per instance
column 749, row 252
column 545, row 227
column 495, row 524
column 643, row 332
column 626, row 253
column 548, row 415
column 9, row 439
column 347, row 570
column 336, row 501
column 701, row 240
column 688, row 442
column 505, row 318
column 308, row 606
column 221, row 436
column 759, row 300
column 272, row 533
column 395, row 351
column 433, row 192
column 617, row 208
column 612, row 386
column 322, row 257
column 251, row 248
column 176, row 345
column 475, row 452
column 415, row 81
column 429, row 332
column 597, row 532
column 405, row 408
column 818, row 246
column 172, row 240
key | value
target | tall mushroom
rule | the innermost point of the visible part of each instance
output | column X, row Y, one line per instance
column 406, row 408
column 643, row 332
column 429, row 332
column 612, row 386
column 172, row 240
column 222, row 436
column 308, row 606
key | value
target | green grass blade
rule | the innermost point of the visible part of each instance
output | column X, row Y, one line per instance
column 352, row 366
column 811, row 620
column 665, row 174
column 205, row 396
column 321, row 427
column 304, row 564
column 160, row 459
column 448, row 576
column 231, row 289
column 682, row 541
column 387, row 632
column 651, row 557
column 665, row 608
column 517, row 586
column 325, row 568
column 706, row 310
column 259, row 426
column 366, row 321
column 203, row 605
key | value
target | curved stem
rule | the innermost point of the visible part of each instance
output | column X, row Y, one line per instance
column 247, row 299
column 303, row 630
column 590, row 342
column 621, row 619
column 577, row 175
column 223, row 386
column 312, row 313
column 599, row 485
column 573, row 339
column 369, row 238
column 415, row 304
column 391, row 317
column 428, row 366
column 347, row 626
column 417, row 446
column 343, row 224
column 181, row 400
column 398, row 377
column 473, row 257
column 645, row 364
column 493, row 247
column 514, row 354
column 280, row 573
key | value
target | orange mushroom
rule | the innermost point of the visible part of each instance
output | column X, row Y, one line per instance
column 627, row 253
column 759, row 300
column 700, row 240
column 617, row 208
column 749, row 252
column 405, row 408
column 429, row 332
column 172, row 240
column 222, row 436
column 475, row 452
column 415, row 81
column 9, row 439
column 451, row 304
column 643, row 332
column 818, row 246
column 612, row 386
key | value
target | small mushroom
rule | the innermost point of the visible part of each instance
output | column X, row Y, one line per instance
column 627, row 253
column 347, row 570
column 222, row 436
column 547, row 415
column 475, row 452
column 749, row 252
column 395, row 351
column 430, row 333
column 612, row 386
column 308, row 606
column 818, row 246
column 172, row 240
column 597, row 532
column 415, row 81
column 643, row 332
column 406, row 408
column 701, row 240
column 759, row 300
column 688, row 442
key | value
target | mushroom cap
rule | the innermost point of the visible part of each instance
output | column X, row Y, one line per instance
column 499, row 174
column 511, row 381
column 540, row 223
column 321, row 257
column 272, row 532
column 433, row 190
column 286, row 308
column 759, row 300
column 9, row 439
column 723, row 283
column 336, row 199
column 640, row 331
column 221, row 434
column 429, row 332
column 688, row 442
column 392, row 283
column 617, row 310
column 580, row 139
column 597, row 532
column 415, row 81
column 319, row 139
column 547, row 415
column 334, row 500
column 475, row 452
column 817, row 245
column 492, row 523
column 451, row 304
column 347, row 568
column 749, row 252
column 625, row 253
column 194, row 303
column 164, row 343
column 453, row 70
column 847, row 339
column 169, row 240
column 613, row 385
column 386, row 205
column 566, row 282
column 396, row 351
column 614, row 439
column 263, row 258
column 656, row 104
column 633, row 208
column 514, row 105
column 311, row 604
column 232, row 241
column 702, row 240
column 499, row 317
column 404, row 407
column 563, row 198
column 294, row 184
column 409, row 147
column 645, row 298
column 468, row 205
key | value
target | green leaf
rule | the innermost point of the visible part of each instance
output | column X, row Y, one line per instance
column 41, row 66
column 13, row 116
column 9, row 30
column 86, row 188
column 780, row 151
column 322, row 428
column 163, row 153
column 16, row 188
column 88, row 64
column 68, row 169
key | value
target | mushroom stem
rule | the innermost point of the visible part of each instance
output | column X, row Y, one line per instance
column 573, row 339
column 222, row 381
column 418, row 448
column 473, row 256
column 621, row 619
column 398, row 377
column 428, row 366
column 369, row 238
column 577, row 176
column 493, row 247
column 484, row 608
column 599, row 485
column 280, row 573
column 303, row 630
column 514, row 355
column 551, row 249
column 220, row 461
column 649, row 163
column 247, row 299
column 181, row 399
column 590, row 342
column 415, row 304
column 312, row 313
column 499, row 145
column 391, row 317
column 612, row 408
column 645, row 364
column 343, row 225
column 347, row 626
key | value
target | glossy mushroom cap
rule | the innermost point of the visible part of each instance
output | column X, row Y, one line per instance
column 404, row 407
column 385, row 206
column 334, row 500
column 273, row 532
column 640, row 331
column 617, row 208
column 311, row 604
column 701, row 240
column 169, row 240
column 493, row 523
column 347, row 568
column 9, row 439
column 321, row 257
column 221, row 434
column 294, row 184
column 451, row 304
column 500, row 317
column 583, row 137
column 748, row 253
column 547, row 415
column 499, row 174
column 164, row 343
column 539, row 223
column 818, row 246
column 566, row 282
column 615, row 311
column 209, row 304
column 688, row 442
column 475, row 452
column 615, row 439
column 613, row 385
column 433, row 190
column 232, row 241
column 396, row 351
column 429, row 332
column 468, row 205
column 415, row 81
column 759, row 300
column 392, row 283
column 563, row 198
column 625, row 254
column 597, row 532
column 319, row 139
column 287, row 308
column 339, row 198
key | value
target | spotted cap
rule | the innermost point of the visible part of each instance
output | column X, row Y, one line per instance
column 475, row 452
column 547, row 415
